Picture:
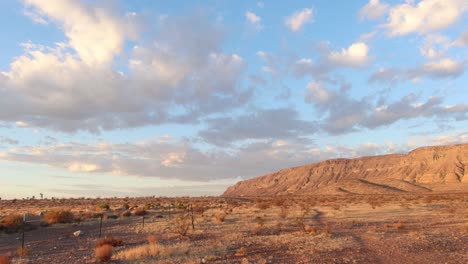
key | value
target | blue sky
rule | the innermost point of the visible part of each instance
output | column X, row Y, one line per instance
column 132, row 98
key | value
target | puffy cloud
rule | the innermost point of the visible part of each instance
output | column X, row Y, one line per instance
column 355, row 55
column 253, row 18
column 443, row 68
column 424, row 17
column 434, row 46
column 259, row 124
column 317, row 93
column 343, row 113
column 167, row 81
column 297, row 20
column 167, row 158
column 373, row 10
column 94, row 33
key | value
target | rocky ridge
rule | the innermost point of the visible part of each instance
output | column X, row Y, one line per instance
column 425, row 169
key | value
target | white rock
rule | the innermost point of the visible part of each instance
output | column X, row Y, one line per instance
column 78, row 233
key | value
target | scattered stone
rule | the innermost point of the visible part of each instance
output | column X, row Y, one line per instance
column 78, row 233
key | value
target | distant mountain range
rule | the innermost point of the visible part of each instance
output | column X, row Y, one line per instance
column 425, row 169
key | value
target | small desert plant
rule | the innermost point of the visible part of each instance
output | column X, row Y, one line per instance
column 109, row 240
column 104, row 253
column 400, row 226
column 139, row 212
column 104, row 206
column 22, row 251
column 182, row 224
column 58, row 216
column 241, row 252
column 152, row 239
column 220, row 217
column 5, row 260
column 12, row 223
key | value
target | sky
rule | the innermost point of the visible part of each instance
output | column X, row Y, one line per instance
column 171, row 98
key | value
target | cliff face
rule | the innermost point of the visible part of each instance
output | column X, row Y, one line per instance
column 438, row 168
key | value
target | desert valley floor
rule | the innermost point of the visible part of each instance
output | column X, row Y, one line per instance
column 379, row 228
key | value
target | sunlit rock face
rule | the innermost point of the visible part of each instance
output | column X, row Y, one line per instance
column 436, row 168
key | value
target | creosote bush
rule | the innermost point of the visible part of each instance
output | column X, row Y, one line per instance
column 22, row 251
column 104, row 253
column 12, row 223
column 58, row 216
column 109, row 240
column 139, row 212
column 182, row 224
column 152, row 239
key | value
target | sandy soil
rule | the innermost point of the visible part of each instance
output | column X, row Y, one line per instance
column 423, row 228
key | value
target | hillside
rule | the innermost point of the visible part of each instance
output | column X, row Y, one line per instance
column 426, row 169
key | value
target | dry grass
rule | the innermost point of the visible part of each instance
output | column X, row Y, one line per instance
column 22, row 251
column 139, row 212
column 297, row 229
column 152, row 239
column 219, row 217
column 109, row 240
column 241, row 252
column 58, row 216
column 12, row 223
column 154, row 250
column 182, row 224
column 104, row 253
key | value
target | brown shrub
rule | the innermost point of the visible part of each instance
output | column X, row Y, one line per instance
column 12, row 222
column 241, row 252
column 152, row 239
column 139, row 212
column 5, row 260
column 58, row 216
column 219, row 218
column 310, row 229
column 109, row 240
column 182, row 224
column 22, row 251
column 400, row 226
column 104, row 253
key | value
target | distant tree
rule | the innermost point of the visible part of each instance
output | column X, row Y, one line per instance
column 42, row 195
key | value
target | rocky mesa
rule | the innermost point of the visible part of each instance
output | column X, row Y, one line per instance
column 425, row 169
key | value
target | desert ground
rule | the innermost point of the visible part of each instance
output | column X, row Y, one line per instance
column 379, row 228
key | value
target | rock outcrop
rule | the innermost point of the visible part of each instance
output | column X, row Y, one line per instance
column 437, row 168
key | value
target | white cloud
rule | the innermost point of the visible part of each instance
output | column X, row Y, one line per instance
column 373, row 10
column 253, row 18
column 93, row 32
column 317, row 93
column 297, row 20
column 424, row 17
column 355, row 55
column 443, row 67
column 83, row 167
column 435, row 69
column 434, row 46
column 167, row 81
